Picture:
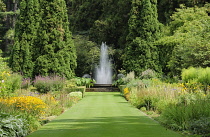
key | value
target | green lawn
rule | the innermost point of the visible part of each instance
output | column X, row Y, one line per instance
column 103, row 114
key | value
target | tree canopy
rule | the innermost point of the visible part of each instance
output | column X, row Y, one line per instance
column 162, row 35
column 43, row 41
column 144, row 28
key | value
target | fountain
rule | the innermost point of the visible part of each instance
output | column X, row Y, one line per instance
column 103, row 74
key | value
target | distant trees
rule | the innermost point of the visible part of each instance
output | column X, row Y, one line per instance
column 9, row 11
column 43, row 43
column 144, row 29
column 130, row 27
column 187, row 43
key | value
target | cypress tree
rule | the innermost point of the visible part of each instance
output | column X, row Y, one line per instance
column 144, row 29
column 43, row 43
column 25, row 38
column 55, row 50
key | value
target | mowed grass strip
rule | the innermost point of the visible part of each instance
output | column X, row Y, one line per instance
column 103, row 114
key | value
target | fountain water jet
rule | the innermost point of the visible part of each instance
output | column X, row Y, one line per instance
column 103, row 75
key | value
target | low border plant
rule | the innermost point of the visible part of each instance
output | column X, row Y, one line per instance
column 48, row 83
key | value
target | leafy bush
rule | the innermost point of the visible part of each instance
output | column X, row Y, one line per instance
column 84, row 81
column 190, row 74
column 77, row 95
column 152, row 93
column 148, row 74
column 130, row 76
column 118, row 82
column 3, row 64
column 3, row 77
column 201, row 126
column 46, row 84
column 9, row 83
column 13, row 82
column 13, row 126
column 197, row 76
column 180, row 116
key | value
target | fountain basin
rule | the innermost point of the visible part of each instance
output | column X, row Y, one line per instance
column 102, row 88
column 102, row 85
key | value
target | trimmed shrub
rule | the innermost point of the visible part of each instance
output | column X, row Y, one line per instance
column 76, row 95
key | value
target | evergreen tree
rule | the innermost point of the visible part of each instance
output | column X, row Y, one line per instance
column 43, row 43
column 144, row 29
column 55, row 50
column 25, row 37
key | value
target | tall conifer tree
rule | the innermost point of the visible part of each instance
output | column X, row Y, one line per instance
column 144, row 27
column 25, row 37
column 43, row 41
column 55, row 51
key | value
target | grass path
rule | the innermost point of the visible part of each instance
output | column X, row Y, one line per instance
column 103, row 114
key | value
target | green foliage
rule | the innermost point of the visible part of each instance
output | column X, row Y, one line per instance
column 180, row 117
column 46, row 84
column 148, row 74
column 151, row 94
column 13, row 126
column 13, row 83
column 3, row 64
column 197, row 76
column 190, row 74
column 21, row 59
column 144, row 29
column 166, row 8
column 55, row 50
column 77, row 95
column 43, row 43
column 129, row 77
column 2, row 6
column 118, row 82
column 87, row 53
column 82, row 15
column 9, row 83
column 179, row 108
column 111, row 25
column 200, row 127
column 78, row 81
column 84, row 82
column 189, row 40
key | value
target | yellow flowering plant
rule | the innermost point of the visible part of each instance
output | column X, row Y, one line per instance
column 29, row 104
column 126, row 93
